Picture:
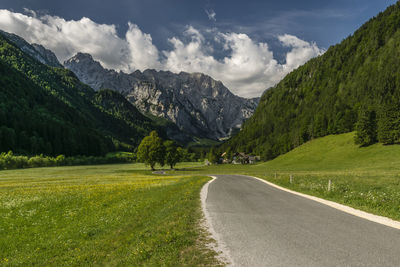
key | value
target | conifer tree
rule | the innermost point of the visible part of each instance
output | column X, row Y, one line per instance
column 389, row 124
column 366, row 133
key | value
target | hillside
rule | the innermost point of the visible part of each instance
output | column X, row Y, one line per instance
column 48, row 110
column 337, row 153
column 325, row 95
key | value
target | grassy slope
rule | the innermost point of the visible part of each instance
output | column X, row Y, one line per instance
column 102, row 215
column 365, row 178
column 338, row 153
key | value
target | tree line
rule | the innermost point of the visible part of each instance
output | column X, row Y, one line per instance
column 9, row 160
column 381, row 125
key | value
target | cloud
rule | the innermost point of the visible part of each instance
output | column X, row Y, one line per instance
column 246, row 67
column 301, row 51
column 211, row 14
column 66, row 38
column 249, row 67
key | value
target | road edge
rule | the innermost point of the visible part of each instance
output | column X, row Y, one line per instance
column 359, row 213
column 220, row 247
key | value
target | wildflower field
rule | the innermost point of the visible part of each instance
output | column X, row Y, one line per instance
column 101, row 215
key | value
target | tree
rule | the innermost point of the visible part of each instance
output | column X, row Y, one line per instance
column 151, row 150
column 389, row 124
column 366, row 132
column 172, row 154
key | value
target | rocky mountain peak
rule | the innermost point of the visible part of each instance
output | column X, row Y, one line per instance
column 85, row 60
column 195, row 102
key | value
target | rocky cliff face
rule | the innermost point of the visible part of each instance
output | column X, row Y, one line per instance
column 47, row 55
column 195, row 102
column 36, row 51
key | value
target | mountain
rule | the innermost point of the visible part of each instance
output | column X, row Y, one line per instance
column 197, row 104
column 48, row 110
column 36, row 51
column 327, row 94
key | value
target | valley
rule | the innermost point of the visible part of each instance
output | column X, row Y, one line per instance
column 121, row 195
column 147, row 162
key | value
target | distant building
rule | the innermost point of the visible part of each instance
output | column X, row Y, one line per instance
column 243, row 158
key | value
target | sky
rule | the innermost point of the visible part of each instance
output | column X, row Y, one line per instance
column 248, row 45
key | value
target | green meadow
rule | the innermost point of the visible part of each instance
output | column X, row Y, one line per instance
column 118, row 215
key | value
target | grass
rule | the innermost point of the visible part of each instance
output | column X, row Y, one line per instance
column 366, row 178
column 101, row 215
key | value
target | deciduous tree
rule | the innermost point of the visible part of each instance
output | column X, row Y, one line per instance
column 151, row 150
column 172, row 154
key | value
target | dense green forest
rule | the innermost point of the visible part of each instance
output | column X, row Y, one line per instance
column 354, row 84
column 48, row 110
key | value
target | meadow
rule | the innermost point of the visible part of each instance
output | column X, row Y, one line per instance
column 101, row 215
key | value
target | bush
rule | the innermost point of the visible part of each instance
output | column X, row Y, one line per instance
column 10, row 161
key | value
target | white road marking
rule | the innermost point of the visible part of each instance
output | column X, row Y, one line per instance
column 359, row 213
column 220, row 247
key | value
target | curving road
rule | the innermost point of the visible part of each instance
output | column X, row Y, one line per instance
column 261, row 225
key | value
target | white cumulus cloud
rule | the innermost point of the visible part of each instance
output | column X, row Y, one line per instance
column 66, row 38
column 247, row 69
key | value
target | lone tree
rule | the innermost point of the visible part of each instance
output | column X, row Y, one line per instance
column 151, row 150
column 172, row 154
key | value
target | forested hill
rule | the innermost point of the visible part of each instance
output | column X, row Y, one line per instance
column 325, row 95
column 48, row 110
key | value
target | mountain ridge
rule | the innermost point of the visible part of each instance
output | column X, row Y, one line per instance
column 197, row 103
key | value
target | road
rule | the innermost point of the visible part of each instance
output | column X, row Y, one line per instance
column 261, row 225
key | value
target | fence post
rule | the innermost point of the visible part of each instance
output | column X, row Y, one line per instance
column 329, row 185
column 291, row 179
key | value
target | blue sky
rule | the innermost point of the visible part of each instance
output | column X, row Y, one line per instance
column 221, row 29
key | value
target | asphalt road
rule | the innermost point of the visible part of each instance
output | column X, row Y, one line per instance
column 263, row 226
